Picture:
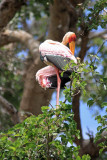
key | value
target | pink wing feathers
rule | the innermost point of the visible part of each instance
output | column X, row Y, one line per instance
column 50, row 47
column 43, row 74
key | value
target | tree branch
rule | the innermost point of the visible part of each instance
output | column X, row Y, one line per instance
column 21, row 36
column 76, row 110
column 83, row 45
column 10, row 109
column 92, row 148
column 101, row 34
column 8, row 9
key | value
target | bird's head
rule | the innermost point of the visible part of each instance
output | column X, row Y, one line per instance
column 70, row 38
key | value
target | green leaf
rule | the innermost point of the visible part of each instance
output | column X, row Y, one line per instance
column 90, row 102
column 93, row 96
column 44, row 108
column 98, row 118
column 99, row 127
column 78, row 158
column 104, row 104
column 86, row 157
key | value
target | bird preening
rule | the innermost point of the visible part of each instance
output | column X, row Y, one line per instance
column 56, row 55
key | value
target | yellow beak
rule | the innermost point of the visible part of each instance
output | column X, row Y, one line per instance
column 72, row 46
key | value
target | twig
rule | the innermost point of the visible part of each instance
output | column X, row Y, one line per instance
column 51, row 105
column 65, row 100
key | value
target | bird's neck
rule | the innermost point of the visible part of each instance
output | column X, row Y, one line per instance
column 64, row 43
column 71, row 46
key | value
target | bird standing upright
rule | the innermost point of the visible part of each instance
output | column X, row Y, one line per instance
column 56, row 55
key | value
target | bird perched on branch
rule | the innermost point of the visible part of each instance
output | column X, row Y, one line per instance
column 56, row 55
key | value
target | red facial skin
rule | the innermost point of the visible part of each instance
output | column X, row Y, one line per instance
column 72, row 38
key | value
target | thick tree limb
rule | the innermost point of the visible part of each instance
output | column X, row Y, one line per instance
column 76, row 110
column 5, row 39
column 8, row 9
column 21, row 36
column 10, row 109
column 92, row 148
column 83, row 45
column 102, row 34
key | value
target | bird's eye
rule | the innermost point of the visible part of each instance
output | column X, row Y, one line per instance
column 72, row 38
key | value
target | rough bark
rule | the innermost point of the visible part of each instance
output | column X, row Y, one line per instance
column 92, row 148
column 84, row 42
column 76, row 110
column 59, row 20
column 10, row 109
column 8, row 9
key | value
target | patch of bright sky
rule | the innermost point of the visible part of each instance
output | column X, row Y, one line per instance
column 23, row 54
column 87, row 12
column 99, row 29
column 20, row 25
column 77, row 50
column 28, row 21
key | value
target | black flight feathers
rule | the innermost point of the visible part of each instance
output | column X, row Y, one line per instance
column 64, row 80
column 58, row 61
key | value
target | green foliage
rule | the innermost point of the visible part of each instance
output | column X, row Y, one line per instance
column 45, row 136
column 34, row 10
column 84, row 157
column 95, row 17
column 49, row 135
column 102, row 130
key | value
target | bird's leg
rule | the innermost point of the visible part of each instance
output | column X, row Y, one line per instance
column 58, row 86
